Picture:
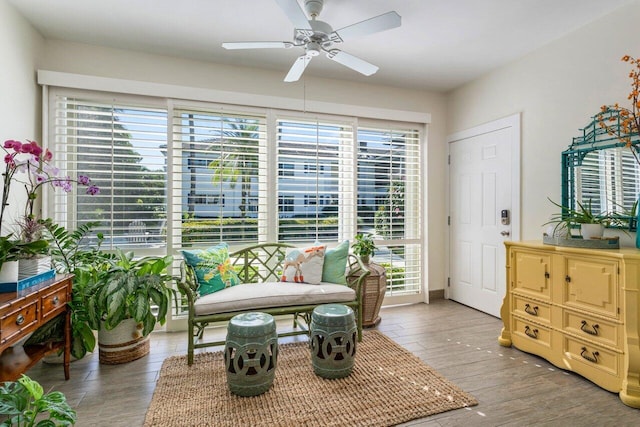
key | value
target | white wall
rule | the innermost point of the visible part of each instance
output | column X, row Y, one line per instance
column 20, row 105
column 558, row 89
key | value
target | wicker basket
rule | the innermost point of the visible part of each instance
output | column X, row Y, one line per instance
column 374, row 288
column 122, row 344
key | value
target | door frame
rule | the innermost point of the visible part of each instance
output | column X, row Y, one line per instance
column 512, row 122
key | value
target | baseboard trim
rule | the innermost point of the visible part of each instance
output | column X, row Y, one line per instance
column 437, row 294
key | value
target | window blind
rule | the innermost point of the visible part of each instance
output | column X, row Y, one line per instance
column 610, row 180
column 315, row 179
column 389, row 198
column 122, row 148
column 218, row 170
column 177, row 175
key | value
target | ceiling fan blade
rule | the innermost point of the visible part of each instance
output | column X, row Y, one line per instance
column 383, row 22
column 256, row 45
column 352, row 62
column 297, row 68
column 295, row 13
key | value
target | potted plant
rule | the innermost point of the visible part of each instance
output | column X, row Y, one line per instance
column 118, row 302
column 23, row 401
column 364, row 246
column 11, row 251
column 72, row 253
column 591, row 224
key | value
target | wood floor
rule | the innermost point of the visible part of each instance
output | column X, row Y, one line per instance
column 513, row 388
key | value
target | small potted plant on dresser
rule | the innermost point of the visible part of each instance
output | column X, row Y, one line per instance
column 374, row 286
column 119, row 305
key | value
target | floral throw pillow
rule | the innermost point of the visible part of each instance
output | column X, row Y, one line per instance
column 304, row 265
column 213, row 268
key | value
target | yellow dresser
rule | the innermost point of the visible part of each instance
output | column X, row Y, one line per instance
column 579, row 309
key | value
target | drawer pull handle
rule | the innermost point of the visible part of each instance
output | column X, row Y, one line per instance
column 591, row 331
column 532, row 311
column 533, row 333
column 55, row 300
column 546, row 275
column 567, row 279
column 593, row 358
column 19, row 319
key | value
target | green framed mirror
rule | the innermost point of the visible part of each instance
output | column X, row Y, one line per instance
column 599, row 168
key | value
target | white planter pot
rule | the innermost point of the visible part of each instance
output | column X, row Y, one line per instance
column 9, row 272
column 591, row 231
column 123, row 343
column 33, row 266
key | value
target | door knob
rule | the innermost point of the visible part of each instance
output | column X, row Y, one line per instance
column 504, row 233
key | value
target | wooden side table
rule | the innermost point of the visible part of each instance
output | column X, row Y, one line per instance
column 23, row 312
column 374, row 288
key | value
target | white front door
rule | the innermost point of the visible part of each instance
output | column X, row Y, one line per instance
column 483, row 188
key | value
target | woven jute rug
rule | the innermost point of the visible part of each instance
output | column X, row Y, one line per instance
column 388, row 386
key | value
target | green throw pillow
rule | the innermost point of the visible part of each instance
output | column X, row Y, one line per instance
column 213, row 268
column 335, row 264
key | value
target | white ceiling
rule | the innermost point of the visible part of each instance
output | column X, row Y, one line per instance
column 440, row 45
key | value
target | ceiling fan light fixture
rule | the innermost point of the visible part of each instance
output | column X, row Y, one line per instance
column 313, row 7
column 313, row 48
column 318, row 36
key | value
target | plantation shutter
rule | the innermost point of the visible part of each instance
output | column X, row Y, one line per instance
column 609, row 179
column 219, row 173
column 122, row 148
column 389, row 200
column 315, row 179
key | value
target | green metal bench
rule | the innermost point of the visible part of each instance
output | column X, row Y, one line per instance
column 260, row 265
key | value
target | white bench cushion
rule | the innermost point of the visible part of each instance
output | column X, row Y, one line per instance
column 256, row 296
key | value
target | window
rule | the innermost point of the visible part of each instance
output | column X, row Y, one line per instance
column 217, row 152
column 286, row 169
column 609, row 179
column 389, row 201
column 323, row 148
column 122, row 147
column 177, row 174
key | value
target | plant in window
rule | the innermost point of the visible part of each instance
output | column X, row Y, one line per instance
column 364, row 246
column 127, row 289
column 72, row 252
column 28, row 165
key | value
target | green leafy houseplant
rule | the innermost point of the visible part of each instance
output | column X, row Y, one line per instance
column 364, row 246
column 24, row 401
column 13, row 250
column 569, row 218
column 127, row 289
column 71, row 253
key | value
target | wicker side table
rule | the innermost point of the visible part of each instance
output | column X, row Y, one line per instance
column 373, row 290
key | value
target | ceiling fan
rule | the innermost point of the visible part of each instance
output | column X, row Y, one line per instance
column 317, row 36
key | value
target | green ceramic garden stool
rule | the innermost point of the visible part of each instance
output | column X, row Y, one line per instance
column 251, row 353
column 333, row 340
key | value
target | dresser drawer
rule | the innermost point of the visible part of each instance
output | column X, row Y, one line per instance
column 531, row 337
column 53, row 302
column 16, row 321
column 588, row 327
column 600, row 365
column 532, row 310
